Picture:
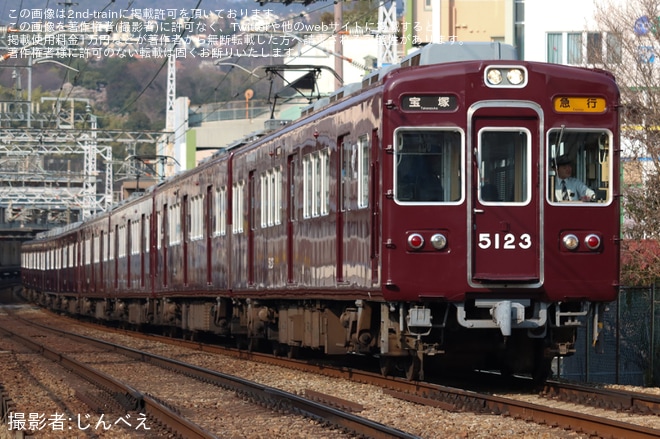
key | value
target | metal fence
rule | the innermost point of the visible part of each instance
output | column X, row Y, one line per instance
column 628, row 350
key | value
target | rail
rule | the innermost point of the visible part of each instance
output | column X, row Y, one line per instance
column 270, row 396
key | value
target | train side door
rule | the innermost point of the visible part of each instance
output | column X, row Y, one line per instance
column 185, row 236
column 374, row 206
column 343, row 198
column 252, row 221
column 506, row 201
column 209, row 207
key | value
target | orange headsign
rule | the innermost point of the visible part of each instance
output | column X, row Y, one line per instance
column 574, row 104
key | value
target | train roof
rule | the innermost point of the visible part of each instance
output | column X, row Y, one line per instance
column 426, row 55
column 459, row 51
column 57, row 231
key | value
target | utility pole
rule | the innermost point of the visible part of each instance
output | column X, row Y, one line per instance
column 166, row 142
column 339, row 61
column 387, row 45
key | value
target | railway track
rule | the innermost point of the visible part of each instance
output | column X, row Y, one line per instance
column 454, row 400
column 459, row 400
column 626, row 401
column 343, row 423
column 45, row 399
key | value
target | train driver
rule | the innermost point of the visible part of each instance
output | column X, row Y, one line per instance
column 567, row 187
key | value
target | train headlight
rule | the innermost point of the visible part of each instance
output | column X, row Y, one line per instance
column 505, row 76
column 415, row 241
column 515, row 76
column 592, row 242
column 438, row 241
column 571, row 241
column 494, row 76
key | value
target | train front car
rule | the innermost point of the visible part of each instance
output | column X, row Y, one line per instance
column 488, row 262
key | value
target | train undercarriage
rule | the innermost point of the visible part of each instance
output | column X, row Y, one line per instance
column 407, row 339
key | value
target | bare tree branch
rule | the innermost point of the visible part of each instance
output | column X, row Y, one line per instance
column 631, row 32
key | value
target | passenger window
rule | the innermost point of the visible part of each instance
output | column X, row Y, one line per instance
column 427, row 166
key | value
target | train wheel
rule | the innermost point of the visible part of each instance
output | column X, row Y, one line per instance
column 505, row 369
column 254, row 344
column 241, row 343
column 386, row 366
column 542, row 365
column 278, row 349
column 413, row 368
column 292, row 352
column 542, row 370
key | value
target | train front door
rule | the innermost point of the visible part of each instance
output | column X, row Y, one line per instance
column 506, row 202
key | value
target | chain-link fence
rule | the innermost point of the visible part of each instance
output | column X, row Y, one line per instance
column 628, row 349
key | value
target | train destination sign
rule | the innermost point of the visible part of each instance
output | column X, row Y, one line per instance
column 574, row 104
column 429, row 103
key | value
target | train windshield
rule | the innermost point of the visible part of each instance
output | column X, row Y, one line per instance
column 579, row 166
column 428, row 165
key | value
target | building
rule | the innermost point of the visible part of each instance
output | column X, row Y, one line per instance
column 461, row 20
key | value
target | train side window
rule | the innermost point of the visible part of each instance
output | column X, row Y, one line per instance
column 97, row 248
column 174, row 222
column 121, row 236
column 110, row 247
column 346, row 156
column 271, row 197
column 427, row 165
column 237, row 207
column 316, row 184
column 504, row 163
column 135, row 232
column 363, row 171
column 196, row 215
column 291, row 180
column 159, row 229
column 307, row 186
column 88, row 251
column 220, row 212
column 578, row 160
column 146, row 233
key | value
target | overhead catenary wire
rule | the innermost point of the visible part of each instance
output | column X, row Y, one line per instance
column 183, row 32
column 336, row 32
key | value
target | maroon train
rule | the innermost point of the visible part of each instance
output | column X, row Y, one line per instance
column 417, row 216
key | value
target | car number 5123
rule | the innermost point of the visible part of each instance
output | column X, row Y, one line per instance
column 508, row 241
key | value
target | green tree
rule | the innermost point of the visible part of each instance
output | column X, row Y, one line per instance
column 137, row 121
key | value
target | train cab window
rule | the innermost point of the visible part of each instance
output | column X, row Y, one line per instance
column 579, row 166
column 504, row 163
column 428, row 166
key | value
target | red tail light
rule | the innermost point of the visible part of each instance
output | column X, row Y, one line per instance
column 415, row 241
column 592, row 242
